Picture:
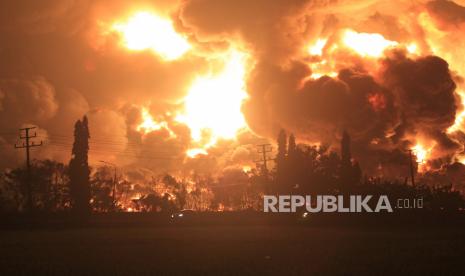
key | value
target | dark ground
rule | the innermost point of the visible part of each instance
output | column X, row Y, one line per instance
column 233, row 250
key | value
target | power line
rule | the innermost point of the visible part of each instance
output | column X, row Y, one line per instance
column 28, row 145
column 106, row 150
column 64, row 143
column 64, row 137
column 120, row 153
column 264, row 149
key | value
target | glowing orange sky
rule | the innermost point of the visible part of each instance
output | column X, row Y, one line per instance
column 213, row 102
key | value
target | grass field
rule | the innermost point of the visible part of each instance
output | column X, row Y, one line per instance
column 232, row 250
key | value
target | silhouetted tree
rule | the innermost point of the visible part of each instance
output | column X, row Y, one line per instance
column 446, row 199
column 292, row 147
column 148, row 203
column 293, row 165
column 201, row 197
column 327, row 172
column 346, row 155
column 14, row 190
column 101, row 190
column 282, row 148
column 350, row 172
column 232, row 191
column 305, row 169
column 178, row 189
column 50, row 189
column 181, row 196
column 51, row 192
column 79, row 169
column 167, row 204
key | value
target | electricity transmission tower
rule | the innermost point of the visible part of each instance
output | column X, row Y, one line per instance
column 264, row 149
column 27, row 144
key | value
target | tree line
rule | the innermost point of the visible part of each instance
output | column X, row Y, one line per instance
column 299, row 169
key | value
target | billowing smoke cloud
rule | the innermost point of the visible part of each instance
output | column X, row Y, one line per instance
column 271, row 29
column 58, row 64
column 425, row 96
column 388, row 106
column 31, row 101
column 386, row 111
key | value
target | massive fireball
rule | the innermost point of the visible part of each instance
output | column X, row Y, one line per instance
column 213, row 104
column 147, row 31
column 212, row 107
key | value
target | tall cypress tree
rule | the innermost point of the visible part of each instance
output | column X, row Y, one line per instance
column 346, row 155
column 350, row 173
column 282, row 147
column 79, row 169
column 292, row 147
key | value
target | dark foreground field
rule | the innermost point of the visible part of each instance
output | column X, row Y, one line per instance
column 233, row 250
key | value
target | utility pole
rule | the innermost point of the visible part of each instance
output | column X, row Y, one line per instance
column 264, row 149
column 412, row 171
column 28, row 145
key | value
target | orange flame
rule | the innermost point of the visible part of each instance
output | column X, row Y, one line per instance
column 148, row 124
column 213, row 104
column 365, row 44
column 422, row 154
column 460, row 117
column 147, row 31
column 317, row 48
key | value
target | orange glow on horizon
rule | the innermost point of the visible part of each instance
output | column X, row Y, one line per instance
column 211, row 108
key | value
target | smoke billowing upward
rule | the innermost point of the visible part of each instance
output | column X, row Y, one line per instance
column 389, row 72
